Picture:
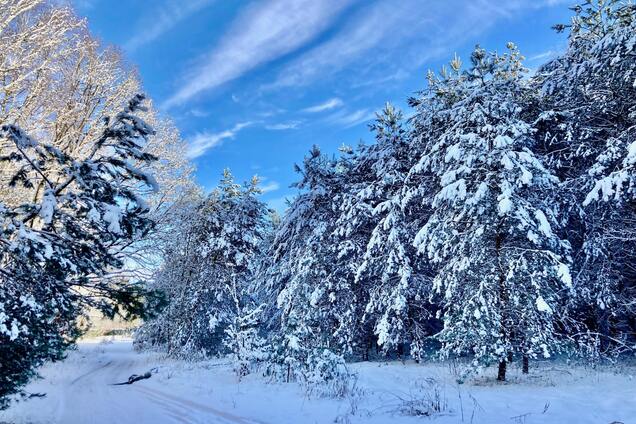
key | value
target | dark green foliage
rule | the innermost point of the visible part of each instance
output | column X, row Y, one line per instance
column 55, row 250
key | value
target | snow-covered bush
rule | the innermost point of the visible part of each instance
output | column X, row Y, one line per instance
column 427, row 399
column 243, row 339
column 326, row 375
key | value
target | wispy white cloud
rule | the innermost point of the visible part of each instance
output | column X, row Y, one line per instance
column 327, row 105
column 269, row 187
column 362, row 33
column 199, row 113
column 350, row 119
column 393, row 36
column 163, row 19
column 549, row 54
column 291, row 125
column 202, row 142
column 265, row 31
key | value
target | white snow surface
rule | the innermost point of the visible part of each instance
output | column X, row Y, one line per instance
column 79, row 391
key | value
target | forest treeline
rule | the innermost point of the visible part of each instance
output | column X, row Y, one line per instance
column 495, row 223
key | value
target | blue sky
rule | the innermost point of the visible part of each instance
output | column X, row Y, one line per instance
column 252, row 85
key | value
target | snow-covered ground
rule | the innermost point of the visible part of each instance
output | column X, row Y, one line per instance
column 79, row 390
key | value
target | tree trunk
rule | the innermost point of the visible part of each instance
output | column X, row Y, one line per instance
column 365, row 351
column 525, row 367
column 501, row 374
column 503, row 302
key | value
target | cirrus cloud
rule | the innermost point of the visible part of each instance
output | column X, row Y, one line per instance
column 162, row 20
column 265, row 31
column 202, row 142
column 326, row 105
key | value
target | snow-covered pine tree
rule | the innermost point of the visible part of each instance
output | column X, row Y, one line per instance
column 388, row 269
column 243, row 229
column 502, row 271
column 264, row 288
column 207, row 277
column 311, row 303
column 60, row 83
column 590, row 121
column 55, row 249
column 350, row 229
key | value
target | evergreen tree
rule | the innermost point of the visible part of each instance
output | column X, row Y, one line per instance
column 394, row 278
column 351, row 228
column 588, row 128
column 502, row 274
column 311, row 300
column 207, row 276
column 350, row 225
column 56, row 249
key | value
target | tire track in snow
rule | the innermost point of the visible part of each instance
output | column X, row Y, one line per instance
column 93, row 371
column 179, row 412
column 190, row 405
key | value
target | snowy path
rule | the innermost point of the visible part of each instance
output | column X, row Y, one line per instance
column 86, row 394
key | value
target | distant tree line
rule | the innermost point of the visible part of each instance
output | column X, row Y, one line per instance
column 497, row 223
